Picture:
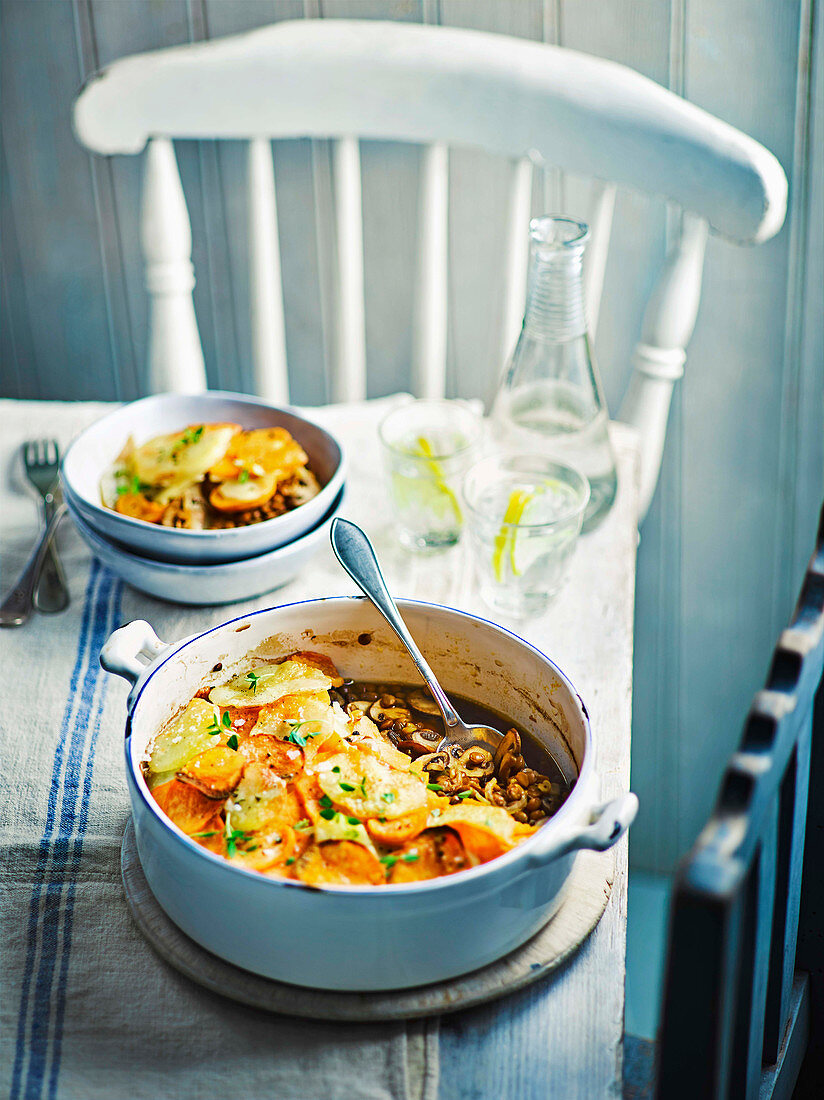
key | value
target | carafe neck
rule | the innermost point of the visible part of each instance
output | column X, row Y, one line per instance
column 555, row 309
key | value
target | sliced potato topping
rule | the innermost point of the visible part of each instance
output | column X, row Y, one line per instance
column 274, row 776
column 215, row 772
column 268, row 683
column 263, row 802
column 137, row 506
column 240, row 496
column 340, row 862
column 194, row 730
column 262, row 451
column 366, row 788
column 187, row 454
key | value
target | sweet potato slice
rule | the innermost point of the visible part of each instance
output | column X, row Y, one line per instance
column 284, row 758
column 340, row 862
column 215, row 772
column 266, row 856
column 433, row 853
column 213, row 835
column 137, row 506
column 240, row 496
column 396, row 832
column 187, row 807
column 260, row 451
column 263, row 803
column 486, row 831
column 480, row 842
column 310, row 793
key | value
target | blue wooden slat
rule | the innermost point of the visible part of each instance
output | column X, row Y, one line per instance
column 48, row 194
column 732, row 870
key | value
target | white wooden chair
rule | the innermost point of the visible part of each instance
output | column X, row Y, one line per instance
column 350, row 80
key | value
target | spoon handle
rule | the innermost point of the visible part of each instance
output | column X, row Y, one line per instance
column 355, row 553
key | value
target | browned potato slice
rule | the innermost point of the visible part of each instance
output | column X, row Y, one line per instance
column 240, row 496
column 284, row 758
column 188, row 808
column 137, row 506
column 260, row 451
column 215, row 772
column 340, row 862
column 434, row 853
column 395, row 833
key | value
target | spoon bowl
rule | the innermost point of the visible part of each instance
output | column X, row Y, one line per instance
column 356, row 554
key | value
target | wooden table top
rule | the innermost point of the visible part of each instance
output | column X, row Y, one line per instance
column 558, row 1038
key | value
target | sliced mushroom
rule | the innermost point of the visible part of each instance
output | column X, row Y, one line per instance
column 423, row 703
column 508, row 759
column 379, row 713
column 418, row 743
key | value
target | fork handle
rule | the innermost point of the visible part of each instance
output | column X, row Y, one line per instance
column 51, row 593
column 17, row 606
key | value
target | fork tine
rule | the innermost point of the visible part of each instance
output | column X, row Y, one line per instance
column 54, row 452
column 42, row 448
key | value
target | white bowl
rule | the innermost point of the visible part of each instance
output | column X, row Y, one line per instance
column 95, row 450
column 224, row 582
column 365, row 937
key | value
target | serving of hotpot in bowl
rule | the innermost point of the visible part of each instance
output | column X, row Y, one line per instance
column 365, row 937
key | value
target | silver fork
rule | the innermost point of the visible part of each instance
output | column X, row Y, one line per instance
column 41, row 460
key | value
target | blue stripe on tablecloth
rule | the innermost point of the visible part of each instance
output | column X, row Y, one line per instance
column 51, row 808
column 74, row 870
column 52, row 855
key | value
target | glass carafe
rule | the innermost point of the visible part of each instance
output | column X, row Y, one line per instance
column 550, row 399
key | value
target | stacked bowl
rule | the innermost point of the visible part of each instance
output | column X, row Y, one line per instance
column 211, row 566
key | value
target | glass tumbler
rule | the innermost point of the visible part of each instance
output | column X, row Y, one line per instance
column 524, row 515
column 428, row 447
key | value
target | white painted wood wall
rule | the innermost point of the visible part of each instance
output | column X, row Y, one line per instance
column 749, row 408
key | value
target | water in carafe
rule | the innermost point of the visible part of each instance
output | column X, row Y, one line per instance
column 550, row 398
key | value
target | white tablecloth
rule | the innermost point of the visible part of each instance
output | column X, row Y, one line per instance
column 87, row 1009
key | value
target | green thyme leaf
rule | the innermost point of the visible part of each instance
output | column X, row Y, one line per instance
column 325, row 801
column 434, row 787
column 253, row 678
column 232, row 742
column 243, row 476
column 410, row 857
column 389, row 861
column 290, row 861
column 353, row 820
column 212, row 833
column 346, row 786
column 227, row 719
column 304, row 823
column 327, row 814
column 388, row 796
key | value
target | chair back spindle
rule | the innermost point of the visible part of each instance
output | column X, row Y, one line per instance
column 349, row 375
column 600, row 221
column 166, row 240
column 517, row 253
column 658, row 361
column 432, row 284
column 265, row 281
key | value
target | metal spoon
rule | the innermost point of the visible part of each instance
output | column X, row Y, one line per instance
column 357, row 556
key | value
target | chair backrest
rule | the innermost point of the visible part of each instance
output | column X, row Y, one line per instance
column 736, row 1005
column 349, row 80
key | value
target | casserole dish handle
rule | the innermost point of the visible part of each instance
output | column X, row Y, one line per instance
column 607, row 824
column 124, row 649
